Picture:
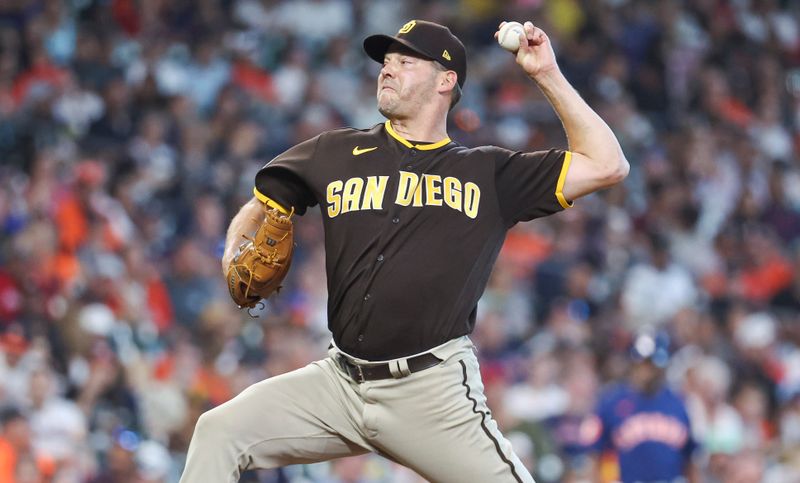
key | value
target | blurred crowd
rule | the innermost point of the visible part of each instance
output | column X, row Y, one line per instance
column 130, row 133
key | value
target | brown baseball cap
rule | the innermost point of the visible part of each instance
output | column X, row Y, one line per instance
column 430, row 40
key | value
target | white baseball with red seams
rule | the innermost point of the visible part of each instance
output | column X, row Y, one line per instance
column 508, row 37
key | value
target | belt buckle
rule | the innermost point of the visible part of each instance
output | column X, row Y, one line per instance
column 347, row 365
column 360, row 374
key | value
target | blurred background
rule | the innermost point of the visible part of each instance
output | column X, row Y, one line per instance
column 130, row 133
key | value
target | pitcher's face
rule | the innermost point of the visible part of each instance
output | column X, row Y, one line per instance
column 406, row 83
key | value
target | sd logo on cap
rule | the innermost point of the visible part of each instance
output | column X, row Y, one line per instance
column 407, row 27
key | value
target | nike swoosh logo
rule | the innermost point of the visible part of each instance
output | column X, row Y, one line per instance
column 357, row 151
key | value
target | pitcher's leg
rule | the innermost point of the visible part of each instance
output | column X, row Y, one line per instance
column 299, row 417
column 441, row 427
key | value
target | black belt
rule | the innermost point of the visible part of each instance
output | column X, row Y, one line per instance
column 374, row 372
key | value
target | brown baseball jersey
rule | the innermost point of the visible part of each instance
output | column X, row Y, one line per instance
column 411, row 230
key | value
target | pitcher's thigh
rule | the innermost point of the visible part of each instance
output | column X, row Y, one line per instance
column 445, row 431
column 298, row 417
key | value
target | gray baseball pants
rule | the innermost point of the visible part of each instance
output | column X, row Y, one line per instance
column 434, row 421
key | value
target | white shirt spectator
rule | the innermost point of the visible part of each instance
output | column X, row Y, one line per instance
column 59, row 428
column 316, row 20
column 651, row 296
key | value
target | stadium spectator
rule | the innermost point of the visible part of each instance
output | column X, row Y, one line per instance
column 644, row 423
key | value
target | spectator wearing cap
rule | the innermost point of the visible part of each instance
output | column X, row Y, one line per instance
column 119, row 463
column 644, row 422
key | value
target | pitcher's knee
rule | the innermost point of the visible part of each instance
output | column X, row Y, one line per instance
column 211, row 427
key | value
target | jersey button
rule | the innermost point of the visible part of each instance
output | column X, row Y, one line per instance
column 409, row 167
column 380, row 257
column 413, row 152
column 361, row 337
column 366, row 297
column 395, row 220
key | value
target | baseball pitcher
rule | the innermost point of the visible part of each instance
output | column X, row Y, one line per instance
column 413, row 224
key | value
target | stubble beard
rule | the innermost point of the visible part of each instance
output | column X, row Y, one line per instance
column 385, row 109
column 396, row 108
column 388, row 106
column 393, row 107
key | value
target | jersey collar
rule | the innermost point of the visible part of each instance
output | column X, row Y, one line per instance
column 406, row 143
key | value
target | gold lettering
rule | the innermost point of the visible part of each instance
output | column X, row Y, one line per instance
column 407, row 180
column 432, row 189
column 452, row 192
column 472, row 199
column 334, row 198
column 418, row 193
column 373, row 194
column 351, row 194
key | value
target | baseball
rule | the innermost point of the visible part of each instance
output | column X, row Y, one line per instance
column 508, row 37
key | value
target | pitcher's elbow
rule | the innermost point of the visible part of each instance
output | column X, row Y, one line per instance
column 618, row 171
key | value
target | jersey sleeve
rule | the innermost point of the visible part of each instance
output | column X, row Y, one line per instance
column 286, row 179
column 530, row 185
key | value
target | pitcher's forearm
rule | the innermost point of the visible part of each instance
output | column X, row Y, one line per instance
column 246, row 222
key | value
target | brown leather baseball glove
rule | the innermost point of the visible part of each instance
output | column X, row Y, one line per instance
column 263, row 261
